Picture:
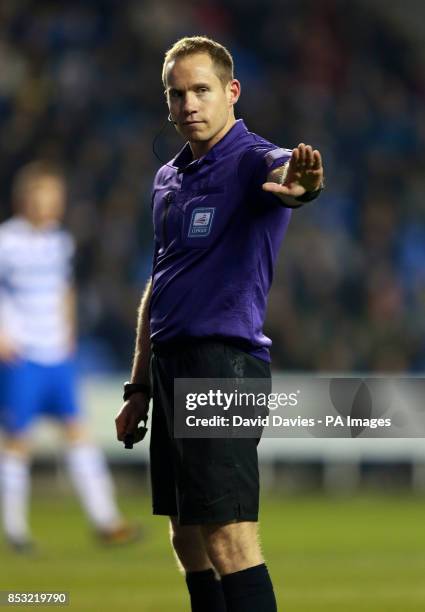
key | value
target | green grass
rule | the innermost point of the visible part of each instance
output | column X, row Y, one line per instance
column 362, row 553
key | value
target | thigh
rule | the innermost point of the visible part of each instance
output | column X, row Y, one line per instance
column 243, row 534
column 61, row 400
column 21, row 396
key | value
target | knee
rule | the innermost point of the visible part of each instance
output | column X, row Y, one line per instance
column 232, row 547
column 17, row 446
column 222, row 545
column 180, row 542
column 75, row 433
column 188, row 545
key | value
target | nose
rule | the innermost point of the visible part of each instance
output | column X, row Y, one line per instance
column 190, row 105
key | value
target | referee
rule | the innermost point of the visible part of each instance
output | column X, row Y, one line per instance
column 220, row 211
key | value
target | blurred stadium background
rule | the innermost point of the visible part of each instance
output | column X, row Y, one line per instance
column 80, row 84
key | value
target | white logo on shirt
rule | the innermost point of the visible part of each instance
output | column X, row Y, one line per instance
column 200, row 223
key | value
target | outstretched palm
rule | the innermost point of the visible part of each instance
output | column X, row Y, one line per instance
column 305, row 173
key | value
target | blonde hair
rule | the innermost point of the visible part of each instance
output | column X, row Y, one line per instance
column 220, row 56
column 32, row 172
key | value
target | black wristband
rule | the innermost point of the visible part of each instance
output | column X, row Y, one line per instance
column 308, row 196
column 130, row 388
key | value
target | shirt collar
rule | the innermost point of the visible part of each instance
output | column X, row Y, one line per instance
column 184, row 156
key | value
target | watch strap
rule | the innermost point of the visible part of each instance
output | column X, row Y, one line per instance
column 131, row 388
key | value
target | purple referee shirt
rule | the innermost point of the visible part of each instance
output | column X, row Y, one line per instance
column 217, row 236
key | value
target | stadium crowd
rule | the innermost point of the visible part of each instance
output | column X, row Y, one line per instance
column 80, row 84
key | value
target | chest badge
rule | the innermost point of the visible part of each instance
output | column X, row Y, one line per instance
column 201, row 222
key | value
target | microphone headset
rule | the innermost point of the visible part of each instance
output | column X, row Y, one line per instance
column 155, row 140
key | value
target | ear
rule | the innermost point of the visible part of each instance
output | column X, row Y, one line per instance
column 234, row 91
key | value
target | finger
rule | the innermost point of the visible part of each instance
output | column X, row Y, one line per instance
column 301, row 148
column 317, row 160
column 121, row 427
column 294, row 158
column 128, row 440
column 275, row 188
column 140, row 434
column 131, row 426
column 131, row 438
column 309, row 158
column 121, row 434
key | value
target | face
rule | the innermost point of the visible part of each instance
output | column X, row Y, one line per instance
column 198, row 102
column 44, row 201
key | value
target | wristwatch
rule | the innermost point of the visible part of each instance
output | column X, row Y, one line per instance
column 130, row 388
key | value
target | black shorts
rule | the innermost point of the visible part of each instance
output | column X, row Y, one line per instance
column 201, row 480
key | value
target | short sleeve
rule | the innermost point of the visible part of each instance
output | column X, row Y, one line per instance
column 254, row 166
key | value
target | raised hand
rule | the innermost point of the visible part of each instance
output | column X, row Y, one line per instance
column 304, row 172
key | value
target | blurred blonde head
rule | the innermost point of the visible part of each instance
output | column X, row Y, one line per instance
column 39, row 193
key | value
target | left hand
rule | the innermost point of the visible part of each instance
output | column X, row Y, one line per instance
column 305, row 173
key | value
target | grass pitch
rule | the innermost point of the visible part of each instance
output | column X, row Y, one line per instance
column 324, row 554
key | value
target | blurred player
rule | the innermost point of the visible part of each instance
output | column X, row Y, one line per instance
column 37, row 344
column 220, row 212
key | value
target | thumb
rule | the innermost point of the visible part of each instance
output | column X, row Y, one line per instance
column 276, row 188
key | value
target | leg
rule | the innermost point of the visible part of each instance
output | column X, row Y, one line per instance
column 20, row 399
column 91, row 479
column 216, row 480
column 234, row 550
column 206, row 594
column 232, row 547
column 189, row 548
column 85, row 462
column 15, row 489
column 88, row 472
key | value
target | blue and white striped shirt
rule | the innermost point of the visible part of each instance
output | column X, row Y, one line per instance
column 35, row 274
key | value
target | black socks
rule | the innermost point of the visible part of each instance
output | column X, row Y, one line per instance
column 206, row 594
column 249, row 590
